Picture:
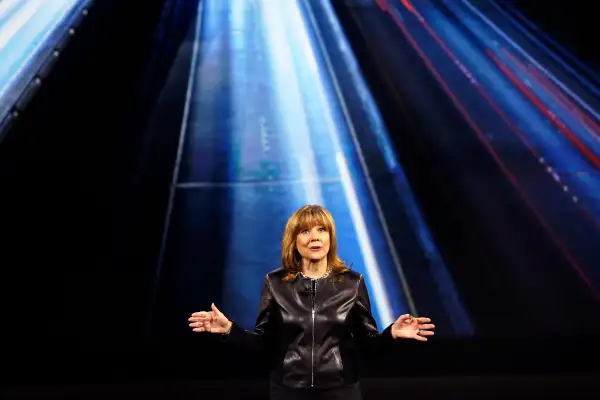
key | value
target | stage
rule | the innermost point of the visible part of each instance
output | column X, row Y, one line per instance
column 452, row 387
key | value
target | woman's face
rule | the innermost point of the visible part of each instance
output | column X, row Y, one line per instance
column 313, row 244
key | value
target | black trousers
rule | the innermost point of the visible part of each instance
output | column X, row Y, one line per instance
column 351, row 392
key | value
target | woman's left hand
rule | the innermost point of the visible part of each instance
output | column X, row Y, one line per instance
column 409, row 327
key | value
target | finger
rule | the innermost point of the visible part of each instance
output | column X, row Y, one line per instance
column 197, row 323
column 426, row 333
column 216, row 310
column 427, row 326
column 206, row 316
column 421, row 338
column 200, row 314
column 423, row 320
column 404, row 318
column 201, row 318
column 198, row 329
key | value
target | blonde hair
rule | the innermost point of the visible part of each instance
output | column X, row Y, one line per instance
column 307, row 217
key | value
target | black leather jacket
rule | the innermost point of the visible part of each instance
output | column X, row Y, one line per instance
column 313, row 330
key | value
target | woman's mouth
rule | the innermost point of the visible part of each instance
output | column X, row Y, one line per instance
column 315, row 248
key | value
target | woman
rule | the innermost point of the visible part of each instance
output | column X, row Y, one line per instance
column 314, row 316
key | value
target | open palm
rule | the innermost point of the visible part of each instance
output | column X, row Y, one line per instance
column 409, row 327
column 210, row 321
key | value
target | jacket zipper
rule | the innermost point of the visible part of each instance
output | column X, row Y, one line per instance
column 312, row 360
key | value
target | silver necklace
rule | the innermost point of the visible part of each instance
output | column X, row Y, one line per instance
column 325, row 274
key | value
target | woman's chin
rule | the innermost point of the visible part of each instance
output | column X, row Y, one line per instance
column 316, row 257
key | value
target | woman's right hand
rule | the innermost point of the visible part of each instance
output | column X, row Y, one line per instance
column 210, row 321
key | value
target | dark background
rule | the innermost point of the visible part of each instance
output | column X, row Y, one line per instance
column 569, row 23
column 82, row 205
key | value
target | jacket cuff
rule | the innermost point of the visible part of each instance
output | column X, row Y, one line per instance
column 233, row 334
column 387, row 333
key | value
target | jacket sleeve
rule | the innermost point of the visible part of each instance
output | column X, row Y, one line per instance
column 256, row 340
column 370, row 341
